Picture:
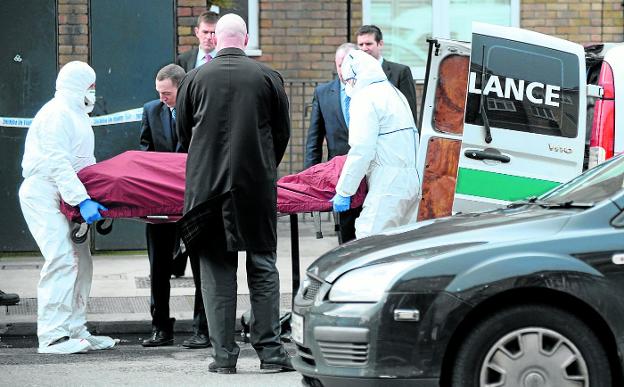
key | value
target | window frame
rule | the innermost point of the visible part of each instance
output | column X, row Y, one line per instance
column 253, row 17
column 253, row 30
column 440, row 23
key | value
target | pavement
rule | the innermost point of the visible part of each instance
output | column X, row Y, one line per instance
column 120, row 293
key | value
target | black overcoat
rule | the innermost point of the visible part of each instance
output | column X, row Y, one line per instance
column 232, row 116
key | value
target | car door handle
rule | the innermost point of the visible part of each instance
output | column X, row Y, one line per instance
column 486, row 155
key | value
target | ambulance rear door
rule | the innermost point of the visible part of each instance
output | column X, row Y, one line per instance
column 441, row 125
column 524, row 124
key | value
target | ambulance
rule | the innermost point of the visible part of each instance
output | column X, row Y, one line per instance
column 505, row 117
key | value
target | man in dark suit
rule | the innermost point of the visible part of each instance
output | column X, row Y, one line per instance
column 204, row 31
column 370, row 40
column 158, row 134
column 233, row 117
column 328, row 122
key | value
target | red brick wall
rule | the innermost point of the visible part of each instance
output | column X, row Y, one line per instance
column 73, row 31
column 298, row 38
column 578, row 21
column 187, row 13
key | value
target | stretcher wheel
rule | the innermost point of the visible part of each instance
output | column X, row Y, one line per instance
column 79, row 233
column 104, row 226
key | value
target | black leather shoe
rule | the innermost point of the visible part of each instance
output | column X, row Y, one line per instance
column 159, row 338
column 198, row 340
column 214, row 367
column 281, row 363
column 8, row 298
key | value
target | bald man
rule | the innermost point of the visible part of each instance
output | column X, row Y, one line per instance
column 240, row 127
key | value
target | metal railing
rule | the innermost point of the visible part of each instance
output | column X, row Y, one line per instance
column 300, row 94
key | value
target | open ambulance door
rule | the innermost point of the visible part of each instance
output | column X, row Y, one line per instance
column 524, row 123
column 441, row 125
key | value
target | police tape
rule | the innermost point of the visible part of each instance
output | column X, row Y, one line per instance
column 132, row 115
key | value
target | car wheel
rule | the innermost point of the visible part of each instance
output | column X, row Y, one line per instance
column 531, row 345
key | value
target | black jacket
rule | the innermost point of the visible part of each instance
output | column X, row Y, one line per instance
column 326, row 122
column 401, row 77
column 156, row 131
column 187, row 59
column 233, row 118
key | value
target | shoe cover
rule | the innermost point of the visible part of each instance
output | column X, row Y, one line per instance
column 66, row 347
column 100, row 342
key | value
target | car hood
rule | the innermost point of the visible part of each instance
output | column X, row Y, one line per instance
column 439, row 236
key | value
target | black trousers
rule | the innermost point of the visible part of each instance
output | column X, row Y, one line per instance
column 200, row 324
column 347, row 224
column 219, row 290
column 161, row 243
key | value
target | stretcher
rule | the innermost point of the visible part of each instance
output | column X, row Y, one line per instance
column 149, row 187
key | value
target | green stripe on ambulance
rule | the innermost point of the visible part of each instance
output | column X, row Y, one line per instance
column 499, row 186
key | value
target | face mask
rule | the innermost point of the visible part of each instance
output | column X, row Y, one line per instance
column 89, row 100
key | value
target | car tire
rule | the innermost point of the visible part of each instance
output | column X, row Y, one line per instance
column 525, row 345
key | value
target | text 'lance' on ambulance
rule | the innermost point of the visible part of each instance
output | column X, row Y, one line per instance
column 517, row 89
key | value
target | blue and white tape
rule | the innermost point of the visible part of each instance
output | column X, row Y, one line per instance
column 132, row 115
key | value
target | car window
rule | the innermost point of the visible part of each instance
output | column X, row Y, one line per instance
column 594, row 185
column 523, row 87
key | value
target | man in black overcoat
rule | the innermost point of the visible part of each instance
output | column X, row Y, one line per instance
column 233, row 118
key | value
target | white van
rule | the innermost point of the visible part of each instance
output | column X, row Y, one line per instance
column 504, row 118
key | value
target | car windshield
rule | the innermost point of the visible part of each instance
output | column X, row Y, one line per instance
column 594, row 185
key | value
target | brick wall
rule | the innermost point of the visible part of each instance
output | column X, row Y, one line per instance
column 578, row 21
column 187, row 13
column 299, row 39
column 73, row 31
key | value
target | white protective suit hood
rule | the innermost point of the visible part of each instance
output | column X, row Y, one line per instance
column 364, row 68
column 73, row 82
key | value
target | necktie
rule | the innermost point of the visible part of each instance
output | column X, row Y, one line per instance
column 206, row 58
column 174, row 134
column 347, row 103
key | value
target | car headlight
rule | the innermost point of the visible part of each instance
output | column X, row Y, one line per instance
column 366, row 284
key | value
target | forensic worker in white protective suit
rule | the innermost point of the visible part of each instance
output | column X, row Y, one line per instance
column 59, row 143
column 384, row 142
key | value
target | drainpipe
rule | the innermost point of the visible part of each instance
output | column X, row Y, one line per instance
column 348, row 20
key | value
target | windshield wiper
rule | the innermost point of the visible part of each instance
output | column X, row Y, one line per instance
column 484, row 117
column 528, row 201
column 533, row 200
column 568, row 204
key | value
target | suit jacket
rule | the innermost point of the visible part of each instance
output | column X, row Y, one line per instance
column 401, row 77
column 326, row 122
column 187, row 59
column 156, row 131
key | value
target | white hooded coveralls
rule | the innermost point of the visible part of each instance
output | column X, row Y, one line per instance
column 59, row 143
column 384, row 141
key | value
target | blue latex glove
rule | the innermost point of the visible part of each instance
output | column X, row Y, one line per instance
column 341, row 203
column 90, row 210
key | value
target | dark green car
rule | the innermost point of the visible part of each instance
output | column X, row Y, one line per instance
column 528, row 295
